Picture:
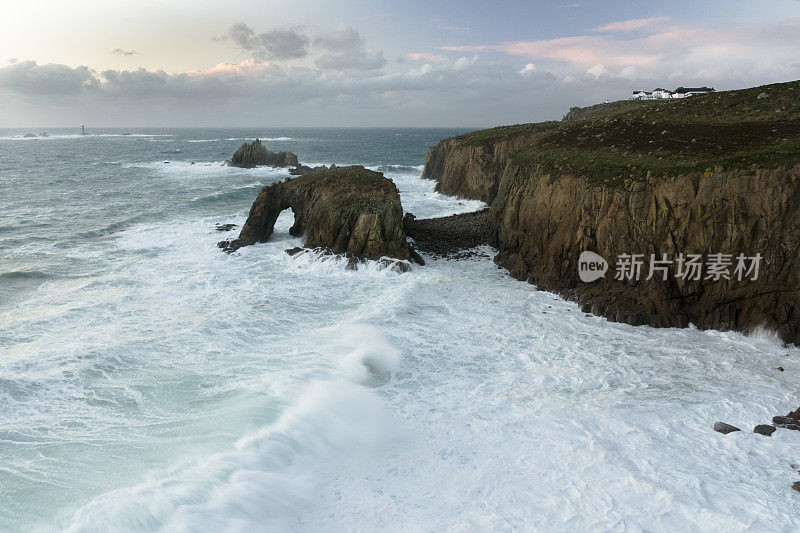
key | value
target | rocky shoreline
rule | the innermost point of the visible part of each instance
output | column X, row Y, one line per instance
column 708, row 176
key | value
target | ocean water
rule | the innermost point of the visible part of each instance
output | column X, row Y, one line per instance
column 149, row 381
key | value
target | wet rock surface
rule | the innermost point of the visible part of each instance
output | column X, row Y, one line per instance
column 764, row 429
column 225, row 227
column 454, row 236
column 722, row 427
column 353, row 262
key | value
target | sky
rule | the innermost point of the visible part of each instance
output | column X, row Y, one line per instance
column 467, row 63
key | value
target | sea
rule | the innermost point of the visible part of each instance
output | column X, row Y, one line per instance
column 151, row 382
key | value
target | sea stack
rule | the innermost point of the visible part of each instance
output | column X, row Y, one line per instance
column 255, row 154
column 347, row 210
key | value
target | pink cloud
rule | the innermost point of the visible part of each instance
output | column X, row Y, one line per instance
column 670, row 51
column 245, row 67
column 633, row 24
column 583, row 50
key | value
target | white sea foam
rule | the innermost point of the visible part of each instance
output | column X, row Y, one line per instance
column 200, row 169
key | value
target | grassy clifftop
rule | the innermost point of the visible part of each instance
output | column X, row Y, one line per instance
column 735, row 129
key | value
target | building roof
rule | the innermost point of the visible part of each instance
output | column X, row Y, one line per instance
column 683, row 90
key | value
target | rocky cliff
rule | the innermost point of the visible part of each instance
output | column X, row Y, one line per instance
column 348, row 210
column 714, row 174
column 255, row 154
column 471, row 165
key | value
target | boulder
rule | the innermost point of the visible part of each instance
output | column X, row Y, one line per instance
column 722, row 427
column 349, row 210
column 255, row 154
column 764, row 429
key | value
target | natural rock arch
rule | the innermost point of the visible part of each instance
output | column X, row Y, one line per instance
column 348, row 210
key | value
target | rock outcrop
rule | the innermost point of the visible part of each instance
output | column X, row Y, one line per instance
column 714, row 174
column 255, row 154
column 348, row 210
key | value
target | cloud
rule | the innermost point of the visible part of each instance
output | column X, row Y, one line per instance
column 275, row 44
column 342, row 48
column 597, row 71
column 463, row 62
column 665, row 51
column 345, row 49
column 633, row 24
column 28, row 77
column 421, row 56
column 341, row 80
column 121, row 52
column 452, row 28
column 249, row 89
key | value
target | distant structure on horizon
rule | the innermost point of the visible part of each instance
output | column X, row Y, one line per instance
column 663, row 94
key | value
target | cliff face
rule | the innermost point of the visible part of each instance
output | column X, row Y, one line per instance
column 472, row 168
column 345, row 209
column 541, row 224
column 641, row 182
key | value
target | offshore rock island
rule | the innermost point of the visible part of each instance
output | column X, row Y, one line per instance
column 709, row 174
column 256, row 154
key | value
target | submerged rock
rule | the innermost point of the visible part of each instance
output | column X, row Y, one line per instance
column 348, row 210
column 224, row 227
column 294, row 251
column 255, row 154
column 722, row 427
column 29, row 135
